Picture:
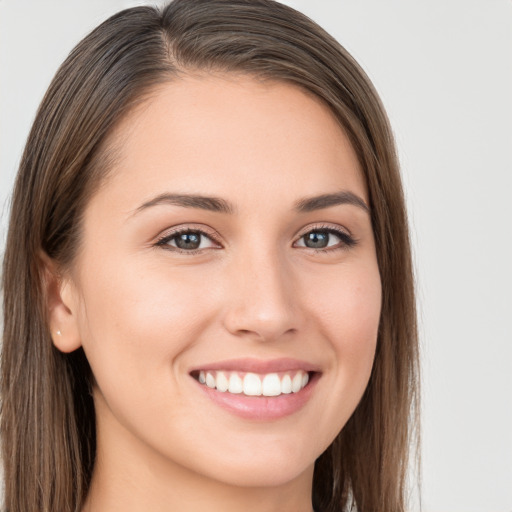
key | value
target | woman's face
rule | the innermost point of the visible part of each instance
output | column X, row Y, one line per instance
column 231, row 244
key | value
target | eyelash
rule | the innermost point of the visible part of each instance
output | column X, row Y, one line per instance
column 164, row 241
column 347, row 241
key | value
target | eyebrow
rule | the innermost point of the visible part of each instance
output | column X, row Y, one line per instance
column 219, row 205
column 213, row 204
column 310, row 204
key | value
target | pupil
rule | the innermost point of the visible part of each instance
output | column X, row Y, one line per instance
column 316, row 240
column 188, row 241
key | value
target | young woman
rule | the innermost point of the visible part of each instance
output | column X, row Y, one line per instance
column 208, row 295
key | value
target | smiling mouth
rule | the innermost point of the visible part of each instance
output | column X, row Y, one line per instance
column 254, row 384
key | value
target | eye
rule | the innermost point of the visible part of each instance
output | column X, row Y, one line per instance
column 326, row 239
column 188, row 240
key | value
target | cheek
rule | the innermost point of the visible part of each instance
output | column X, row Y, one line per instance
column 360, row 309
column 350, row 305
column 348, row 313
column 138, row 320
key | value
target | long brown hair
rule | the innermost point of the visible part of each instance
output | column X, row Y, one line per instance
column 47, row 418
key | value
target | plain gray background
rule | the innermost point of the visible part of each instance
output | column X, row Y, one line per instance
column 444, row 71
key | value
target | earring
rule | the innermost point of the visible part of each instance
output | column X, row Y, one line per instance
column 59, row 333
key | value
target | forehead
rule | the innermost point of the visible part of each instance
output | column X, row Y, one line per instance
column 223, row 133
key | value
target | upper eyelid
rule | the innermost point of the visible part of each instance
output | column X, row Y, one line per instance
column 324, row 227
column 213, row 232
column 171, row 232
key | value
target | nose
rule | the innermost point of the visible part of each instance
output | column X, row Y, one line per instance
column 262, row 304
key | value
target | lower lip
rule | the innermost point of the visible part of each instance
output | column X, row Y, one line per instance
column 262, row 407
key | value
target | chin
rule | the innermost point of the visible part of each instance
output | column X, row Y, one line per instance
column 264, row 469
column 270, row 475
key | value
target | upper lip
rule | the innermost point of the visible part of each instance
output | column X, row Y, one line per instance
column 259, row 365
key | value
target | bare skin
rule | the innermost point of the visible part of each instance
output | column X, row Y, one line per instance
column 270, row 278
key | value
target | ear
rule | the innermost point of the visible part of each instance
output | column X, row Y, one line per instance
column 62, row 306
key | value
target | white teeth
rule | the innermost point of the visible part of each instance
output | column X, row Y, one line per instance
column 297, row 383
column 222, row 381
column 271, row 385
column 252, row 384
column 286, row 384
column 235, row 384
column 210, row 380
